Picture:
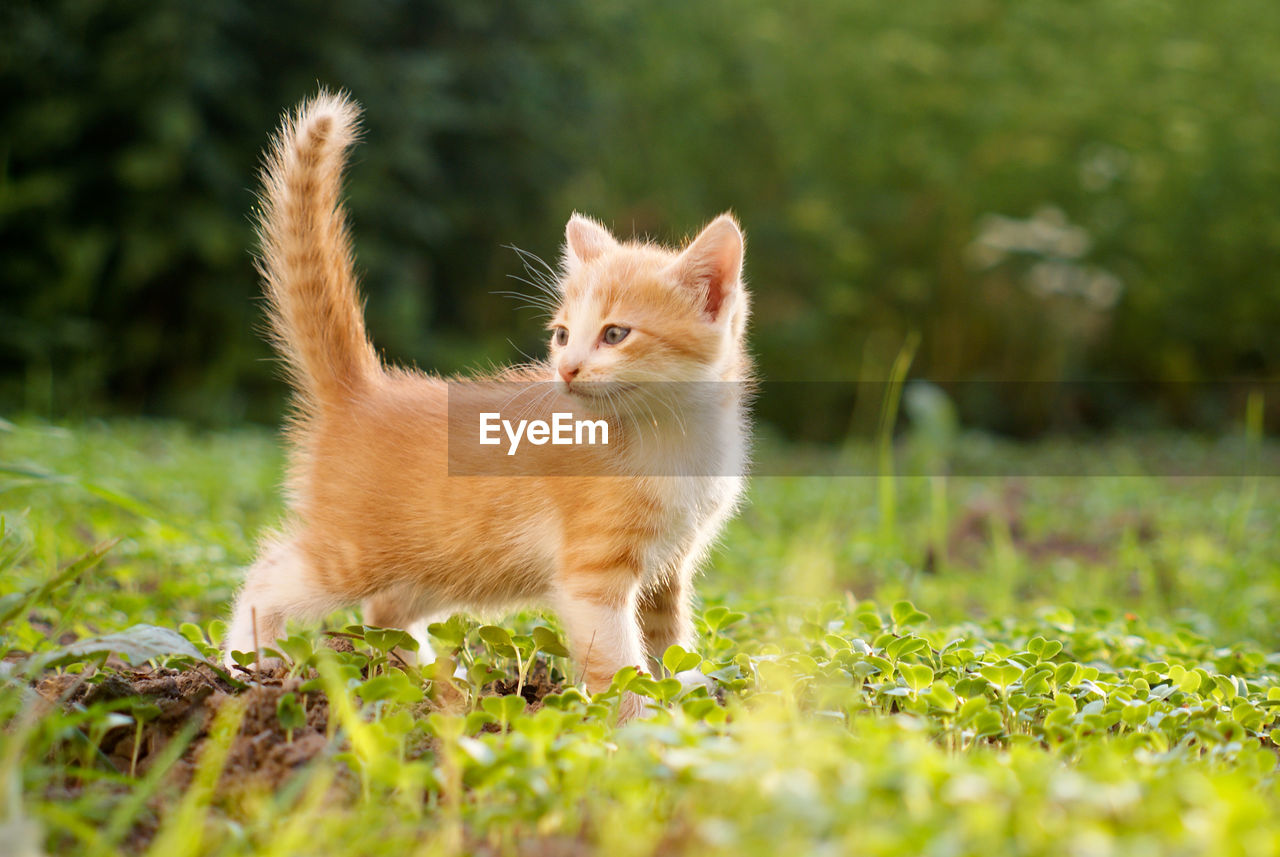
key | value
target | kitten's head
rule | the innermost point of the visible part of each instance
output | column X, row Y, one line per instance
column 633, row 314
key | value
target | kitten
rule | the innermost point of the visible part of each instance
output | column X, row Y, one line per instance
column 604, row 534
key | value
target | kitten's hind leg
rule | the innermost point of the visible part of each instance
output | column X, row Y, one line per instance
column 664, row 615
column 666, row 620
column 278, row 586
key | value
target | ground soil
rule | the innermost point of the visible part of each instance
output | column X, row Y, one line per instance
column 190, row 699
column 262, row 754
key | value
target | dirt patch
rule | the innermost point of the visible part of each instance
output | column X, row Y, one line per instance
column 262, row 752
column 183, row 705
column 178, row 708
column 537, row 685
column 972, row 533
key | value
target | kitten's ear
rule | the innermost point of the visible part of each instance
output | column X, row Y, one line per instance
column 712, row 265
column 584, row 240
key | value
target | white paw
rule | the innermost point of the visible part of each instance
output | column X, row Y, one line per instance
column 690, row 679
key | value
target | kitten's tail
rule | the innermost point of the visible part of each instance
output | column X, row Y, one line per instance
column 305, row 256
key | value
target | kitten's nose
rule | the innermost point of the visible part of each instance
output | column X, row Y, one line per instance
column 569, row 371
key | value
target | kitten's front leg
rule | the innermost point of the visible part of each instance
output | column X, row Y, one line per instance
column 598, row 609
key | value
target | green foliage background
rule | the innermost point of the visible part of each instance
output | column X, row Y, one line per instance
column 865, row 146
column 1087, row 666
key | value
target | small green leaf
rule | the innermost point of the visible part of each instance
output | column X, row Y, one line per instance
column 1135, row 713
column 143, row 710
column 940, row 696
column 1058, row 717
column 971, row 708
column 623, row 678
column 193, row 633
column 677, row 660
column 1225, row 687
column 668, row 689
column 386, row 639
column 1002, row 676
column 917, row 676
column 645, row 686
column 138, row 644
column 883, row 665
column 477, row 720
column 452, row 634
column 905, row 614
column 870, row 621
column 837, row 643
column 393, row 685
column 698, row 707
column 1037, row 682
column 1066, row 674
column 505, row 708
column 297, row 647
column 904, row 646
column 565, row 700
column 549, row 642
column 498, row 640
column 290, row 713
column 1246, row 714
column 720, row 617
column 524, row 644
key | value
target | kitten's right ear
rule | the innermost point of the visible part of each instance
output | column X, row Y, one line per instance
column 712, row 265
column 584, row 240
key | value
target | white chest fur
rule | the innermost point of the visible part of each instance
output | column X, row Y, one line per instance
column 695, row 473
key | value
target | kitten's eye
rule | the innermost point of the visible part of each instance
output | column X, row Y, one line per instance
column 613, row 334
column 560, row 336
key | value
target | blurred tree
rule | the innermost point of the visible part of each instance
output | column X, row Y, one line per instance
column 1042, row 190
column 868, row 147
column 131, row 135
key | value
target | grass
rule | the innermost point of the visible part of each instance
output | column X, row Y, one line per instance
column 1047, row 665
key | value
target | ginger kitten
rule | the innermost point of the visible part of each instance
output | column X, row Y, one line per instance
column 649, row 339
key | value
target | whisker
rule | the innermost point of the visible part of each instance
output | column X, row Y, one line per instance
column 530, row 257
column 545, row 291
column 533, row 361
column 674, row 413
column 545, row 390
column 547, row 279
column 537, row 300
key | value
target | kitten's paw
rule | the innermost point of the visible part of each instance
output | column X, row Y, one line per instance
column 695, row 678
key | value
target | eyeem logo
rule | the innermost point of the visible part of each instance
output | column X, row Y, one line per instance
column 563, row 430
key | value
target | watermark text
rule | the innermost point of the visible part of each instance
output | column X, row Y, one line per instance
column 563, row 430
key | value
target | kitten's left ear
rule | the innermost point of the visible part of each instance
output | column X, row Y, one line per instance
column 584, row 240
column 712, row 265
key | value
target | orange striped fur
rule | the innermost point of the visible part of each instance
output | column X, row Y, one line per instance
column 601, row 533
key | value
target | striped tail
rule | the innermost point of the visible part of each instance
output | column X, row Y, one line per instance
column 305, row 256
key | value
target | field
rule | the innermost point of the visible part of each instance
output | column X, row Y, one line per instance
column 893, row 666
